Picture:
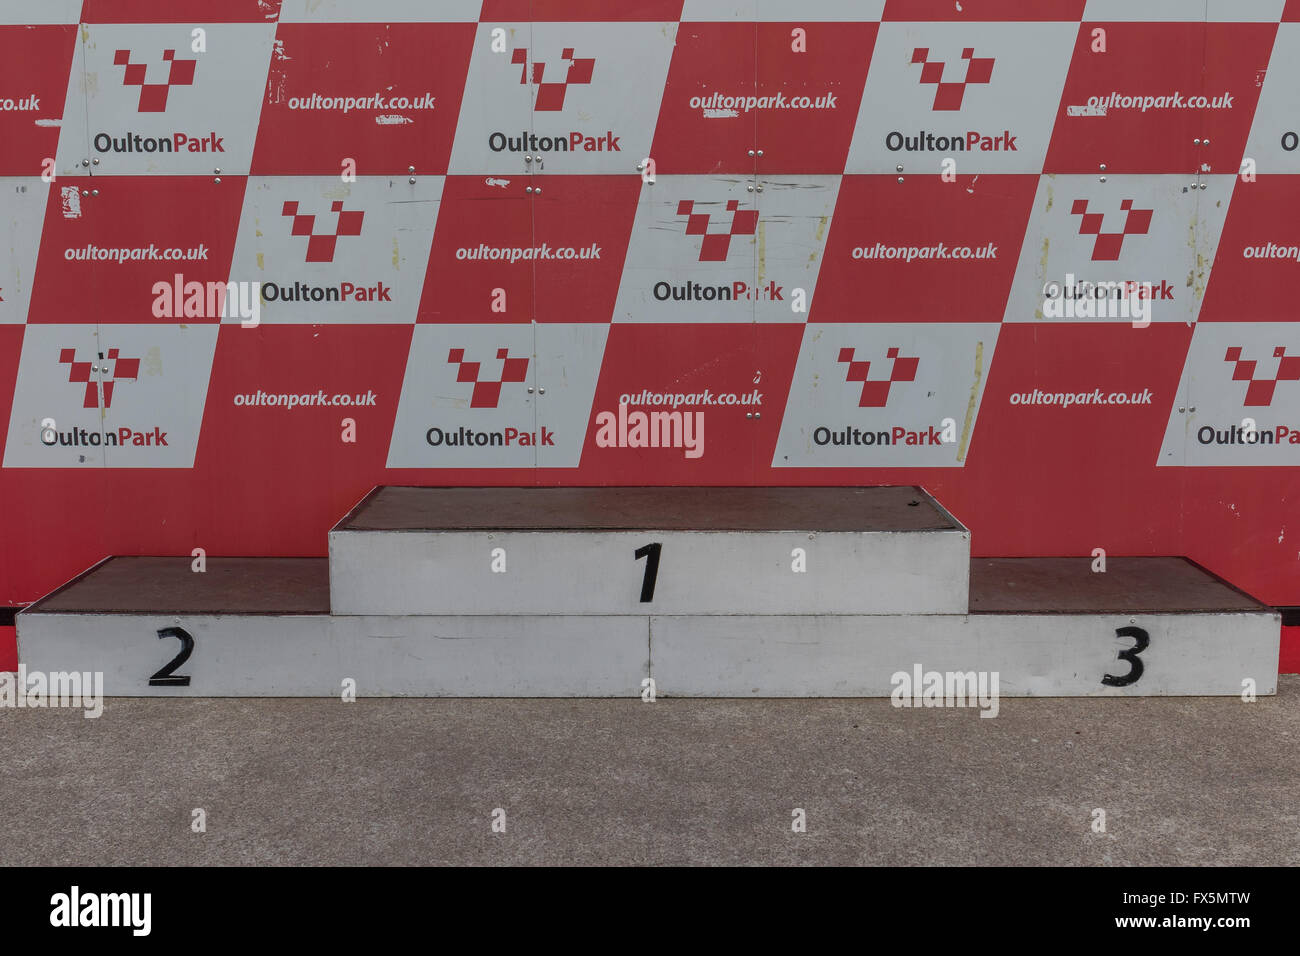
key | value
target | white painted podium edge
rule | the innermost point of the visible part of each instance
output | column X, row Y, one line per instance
column 686, row 655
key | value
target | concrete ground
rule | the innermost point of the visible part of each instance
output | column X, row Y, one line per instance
column 1182, row 781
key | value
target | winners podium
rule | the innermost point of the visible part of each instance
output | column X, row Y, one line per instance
column 597, row 592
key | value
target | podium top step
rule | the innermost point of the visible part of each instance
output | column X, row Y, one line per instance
column 161, row 585
column 895, row 508
column 1128, row 585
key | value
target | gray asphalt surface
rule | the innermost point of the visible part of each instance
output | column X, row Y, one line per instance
column 1201, row 781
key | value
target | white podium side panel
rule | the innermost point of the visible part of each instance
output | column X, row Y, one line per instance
column 692, row 572
column 262, row 655
column 1034, row 655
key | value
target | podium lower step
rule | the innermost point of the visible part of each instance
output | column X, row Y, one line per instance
column 1047, row 627
column 1018, row 655
column 1044, row 627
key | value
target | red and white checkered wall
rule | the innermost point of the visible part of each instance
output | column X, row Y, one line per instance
column 656, row 241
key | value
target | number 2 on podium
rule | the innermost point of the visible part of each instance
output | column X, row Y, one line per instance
column 166, row 676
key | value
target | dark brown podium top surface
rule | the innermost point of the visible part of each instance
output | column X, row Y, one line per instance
column 156, row 585
column 1127, row 586
column 896, row 508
